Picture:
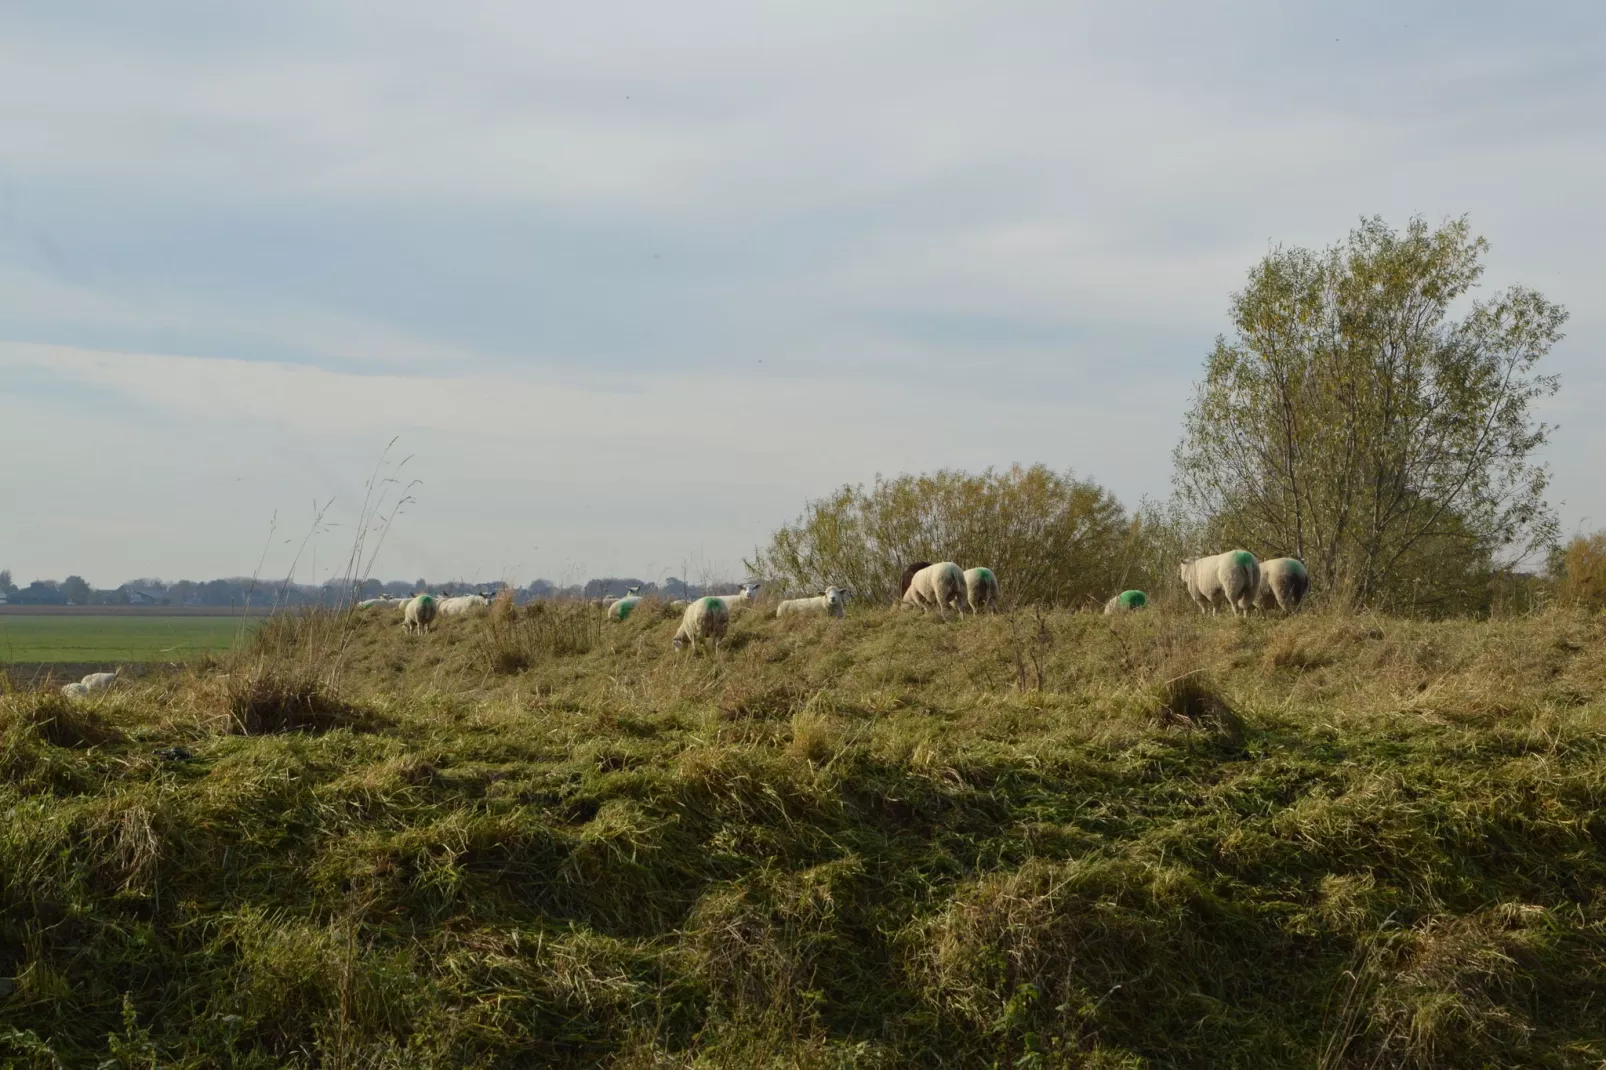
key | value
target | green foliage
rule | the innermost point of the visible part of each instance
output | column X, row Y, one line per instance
column 1050, row 538
column 1354, row 424
column 1322, row 840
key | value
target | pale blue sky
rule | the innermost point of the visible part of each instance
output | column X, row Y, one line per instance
column 632, row 281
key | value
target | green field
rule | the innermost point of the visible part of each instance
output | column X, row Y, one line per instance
column 35, row 638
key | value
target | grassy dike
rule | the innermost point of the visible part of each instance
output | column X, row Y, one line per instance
column 1024, row 841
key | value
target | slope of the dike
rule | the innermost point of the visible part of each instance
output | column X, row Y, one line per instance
column 1028, row 840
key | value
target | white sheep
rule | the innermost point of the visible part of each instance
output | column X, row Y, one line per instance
column 75, row 690
column 744, row 597
column 981, row 588
column 1125, row 602
column 98, row 681
column 463, row 603
column 833, row 603
column 619, row 608
column 937, row 587
column 1283, row 584
column 419, row 614
column 706, row 618
column 382, row 602
column 1233, row 576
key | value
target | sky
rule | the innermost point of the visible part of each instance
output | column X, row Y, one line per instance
column 613, row 288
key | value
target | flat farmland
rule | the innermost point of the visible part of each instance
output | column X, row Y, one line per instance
column 31, row 637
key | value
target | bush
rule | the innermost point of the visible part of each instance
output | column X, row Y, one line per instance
column 1583, row 565
column 1051, row 537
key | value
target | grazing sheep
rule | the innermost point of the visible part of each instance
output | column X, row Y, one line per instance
column 382, row 603
column 909, row 571
column 1233, row 576
column 1283, row 584
column 98, row 681
column 1125, row 602
column 463, row 603
column 832, row 603
column 679, row 603
column 981, row 588
column 419, row 614
column 706, row 618
column 937, row 587
column 76, row 690
column 619, row 608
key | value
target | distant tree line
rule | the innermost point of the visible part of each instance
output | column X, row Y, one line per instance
column 265, row 594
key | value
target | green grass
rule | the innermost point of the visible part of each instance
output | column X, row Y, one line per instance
column 88, row 638
column 1060, row 841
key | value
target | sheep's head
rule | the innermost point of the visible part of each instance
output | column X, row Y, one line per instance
column 1184, row 569
column 750, row 589
column 632, row 590
column 835, row 598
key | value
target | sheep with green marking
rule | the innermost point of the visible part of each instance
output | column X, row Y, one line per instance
column 1126, row 602
column 419, row 614
column 937, row 587
column 1284, row 582
column 620, row 608
column 706, row 618
column 1232, row 577
column 981, row 588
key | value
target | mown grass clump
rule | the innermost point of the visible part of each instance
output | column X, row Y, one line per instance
column 858, row 842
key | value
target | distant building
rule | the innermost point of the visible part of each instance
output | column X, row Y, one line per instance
column 37, row 594
column 144, row 596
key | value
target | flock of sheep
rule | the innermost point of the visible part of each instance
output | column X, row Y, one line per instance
column 1235, row 577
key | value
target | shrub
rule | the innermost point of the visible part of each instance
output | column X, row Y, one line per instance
column 1051, row 537
column 1583, row 564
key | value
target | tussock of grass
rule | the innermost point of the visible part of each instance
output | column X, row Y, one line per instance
column 515, row 640
column 286, row 699
column 51, row 717
column 1322, row 840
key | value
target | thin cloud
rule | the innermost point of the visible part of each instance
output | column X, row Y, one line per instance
column 699, row 262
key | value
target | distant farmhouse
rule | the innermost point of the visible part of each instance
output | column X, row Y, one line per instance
column 144, row 596
column 39, row 594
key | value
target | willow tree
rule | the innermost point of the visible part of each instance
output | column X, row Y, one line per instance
column 1357, row 422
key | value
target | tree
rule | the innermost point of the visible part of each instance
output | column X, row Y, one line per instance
column 76, row 590
column 1353, row 423
column 6, row 586
column 1050, row 537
